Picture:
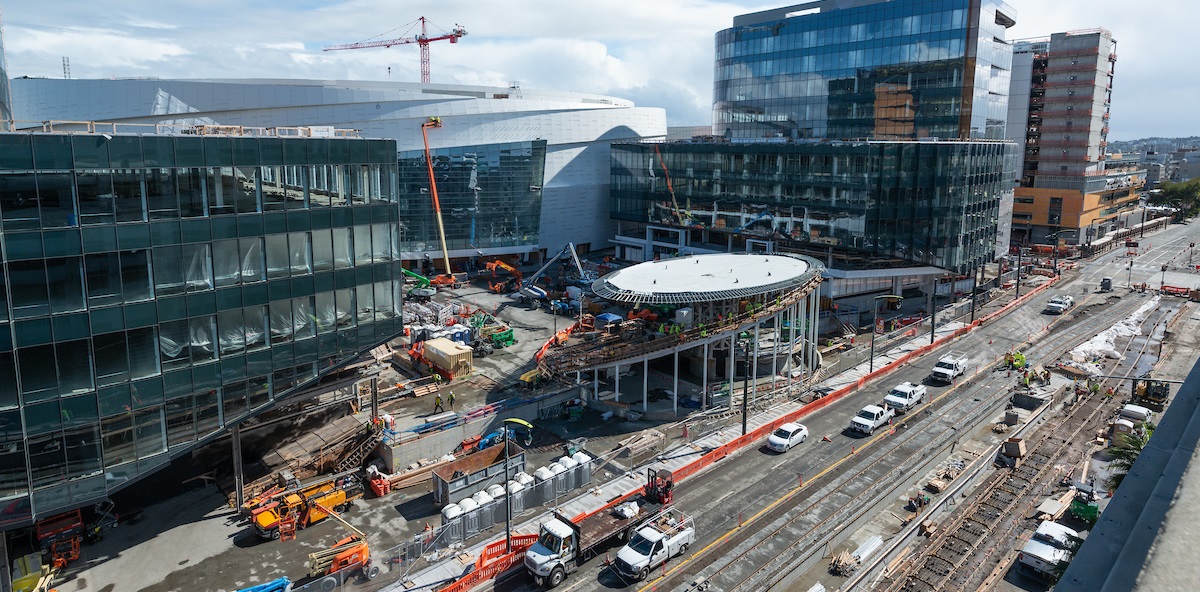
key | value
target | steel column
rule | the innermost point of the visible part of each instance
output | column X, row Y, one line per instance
column 239, row 485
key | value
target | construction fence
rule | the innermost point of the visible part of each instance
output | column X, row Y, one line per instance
column 437, row 543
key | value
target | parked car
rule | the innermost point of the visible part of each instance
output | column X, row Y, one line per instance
column 787, row 436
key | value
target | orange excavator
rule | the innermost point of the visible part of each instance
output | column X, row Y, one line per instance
column 503, row 285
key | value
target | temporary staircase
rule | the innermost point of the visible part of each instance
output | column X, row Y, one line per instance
column 355, row 458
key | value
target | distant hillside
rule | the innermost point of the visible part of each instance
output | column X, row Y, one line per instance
column 1157, row 144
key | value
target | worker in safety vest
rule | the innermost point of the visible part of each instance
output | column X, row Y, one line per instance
column 437, row 403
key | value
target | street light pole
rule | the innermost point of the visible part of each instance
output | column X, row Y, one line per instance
column 875, row 325
column 1129, row 280
column 507, row 493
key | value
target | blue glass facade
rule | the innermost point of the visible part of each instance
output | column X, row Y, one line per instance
column 157, row 289
column 852, row 204
column 491, row 196
column 865, row 69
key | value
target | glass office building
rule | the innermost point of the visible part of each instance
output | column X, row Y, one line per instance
column 865, row 69
column 490, row 196
column 156, row 289
column 855, row 205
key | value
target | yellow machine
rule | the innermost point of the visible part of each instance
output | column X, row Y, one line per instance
column 306, row 507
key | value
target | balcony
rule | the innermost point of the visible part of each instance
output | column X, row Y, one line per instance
column 1076, row 82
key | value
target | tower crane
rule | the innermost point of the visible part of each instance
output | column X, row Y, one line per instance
column 422, row 40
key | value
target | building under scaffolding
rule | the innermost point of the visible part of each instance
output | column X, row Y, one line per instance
column 699, row 323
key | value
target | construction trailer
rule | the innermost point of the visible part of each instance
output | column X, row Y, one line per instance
column 454, row 359
column 466, row 476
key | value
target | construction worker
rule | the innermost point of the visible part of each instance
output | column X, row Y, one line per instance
column 437, row 403
column 450, row 400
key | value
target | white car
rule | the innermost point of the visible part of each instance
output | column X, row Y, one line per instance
column 788, row 435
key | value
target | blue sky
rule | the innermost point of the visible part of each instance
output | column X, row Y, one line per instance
column 657, row 52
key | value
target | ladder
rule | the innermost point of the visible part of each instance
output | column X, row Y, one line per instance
column 355, row 458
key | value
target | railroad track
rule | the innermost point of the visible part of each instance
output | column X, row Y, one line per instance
column 953, row 558
column 793, row 534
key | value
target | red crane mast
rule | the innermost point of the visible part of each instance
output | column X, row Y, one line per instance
column 423, row 40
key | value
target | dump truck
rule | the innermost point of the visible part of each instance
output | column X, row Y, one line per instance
column 564, row 545
column 307, row 505
column 668, row 534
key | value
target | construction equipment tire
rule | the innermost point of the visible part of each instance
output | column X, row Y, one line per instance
column 372, row 572
column 328, row 584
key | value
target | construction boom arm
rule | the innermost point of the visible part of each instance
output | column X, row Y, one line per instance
column 437, row 206
column 670, row 189
column 764, row 214
column 422, row 281
column 339, row 518
column 570, row 248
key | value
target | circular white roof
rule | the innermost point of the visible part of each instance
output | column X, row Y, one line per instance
column 706, row 278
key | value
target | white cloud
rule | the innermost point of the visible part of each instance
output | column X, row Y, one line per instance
column 654, row 52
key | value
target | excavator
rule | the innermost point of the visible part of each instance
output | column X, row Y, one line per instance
column 513, row 282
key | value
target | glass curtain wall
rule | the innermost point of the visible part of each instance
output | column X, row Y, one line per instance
column 899, row 203
column 490, row 196
column 901, row 69
column 158, row 289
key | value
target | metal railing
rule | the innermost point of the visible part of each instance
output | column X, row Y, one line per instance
column 55, row 126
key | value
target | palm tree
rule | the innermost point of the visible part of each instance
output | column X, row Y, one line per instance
column 1125, row 451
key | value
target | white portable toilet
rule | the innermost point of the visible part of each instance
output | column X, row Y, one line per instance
column 482, row 498
column 452, row 511
column 496, row 491
column 581, row 458
column 514, row 486
column 523, row 478
column 467, row 505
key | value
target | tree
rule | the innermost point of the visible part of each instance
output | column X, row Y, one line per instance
column 1184, row 198
column 1125, row 451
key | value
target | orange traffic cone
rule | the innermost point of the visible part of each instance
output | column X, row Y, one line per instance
column 826, row 439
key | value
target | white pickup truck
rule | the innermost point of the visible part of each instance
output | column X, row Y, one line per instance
column 667, row 535
column 905, row 396
column 871, row 418
column 949, row 367
column 1059, row 304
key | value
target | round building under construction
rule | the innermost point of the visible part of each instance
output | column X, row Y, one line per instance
column 692, row 331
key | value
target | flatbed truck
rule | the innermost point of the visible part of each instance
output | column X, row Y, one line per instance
column 564, row 545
